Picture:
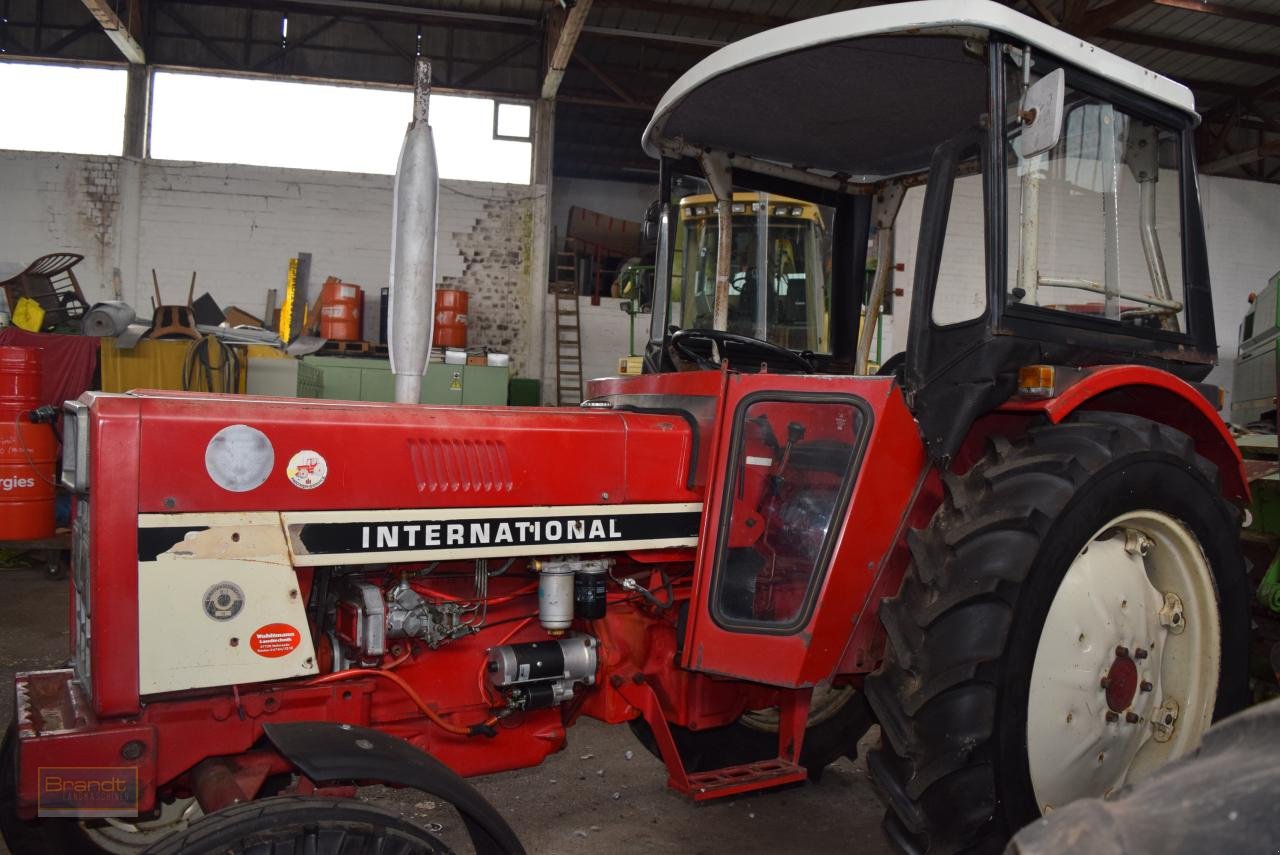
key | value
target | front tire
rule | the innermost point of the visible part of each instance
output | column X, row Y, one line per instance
column 284, row 825
column 1024, row 670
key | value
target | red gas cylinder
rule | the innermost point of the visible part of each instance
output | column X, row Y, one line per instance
column 28, row 451
column 341, row 311
column 450, row 328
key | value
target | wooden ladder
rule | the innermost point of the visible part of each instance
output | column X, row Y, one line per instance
column 568, row 331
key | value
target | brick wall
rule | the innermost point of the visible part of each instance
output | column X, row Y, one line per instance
column 237, row 226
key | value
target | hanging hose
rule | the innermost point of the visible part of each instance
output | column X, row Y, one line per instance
column 226, row 373
column 484, row 728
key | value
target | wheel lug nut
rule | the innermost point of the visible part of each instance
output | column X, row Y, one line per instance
column 1145, row 686
column 1132, row 717
column 1122, row 651
column 1112, row 717
column 1139, row 654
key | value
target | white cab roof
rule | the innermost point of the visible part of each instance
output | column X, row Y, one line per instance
column 937, row 17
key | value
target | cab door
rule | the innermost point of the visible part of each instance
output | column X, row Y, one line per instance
column 798, row 522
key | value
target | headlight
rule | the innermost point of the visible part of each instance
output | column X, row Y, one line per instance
column 75, row 446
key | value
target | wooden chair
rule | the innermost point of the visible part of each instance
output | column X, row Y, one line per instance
column 50, row 281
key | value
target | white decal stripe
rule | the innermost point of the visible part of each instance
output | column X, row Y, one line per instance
column 303, row 560
column 292, row 518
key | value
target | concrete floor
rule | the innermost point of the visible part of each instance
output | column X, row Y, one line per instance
column 603, row 793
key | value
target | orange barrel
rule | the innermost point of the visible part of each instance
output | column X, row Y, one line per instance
column 28, row 451
column 341, row 311
column 451, row 319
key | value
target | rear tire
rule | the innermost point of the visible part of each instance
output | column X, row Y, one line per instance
column 975, row 626
column 284, row 825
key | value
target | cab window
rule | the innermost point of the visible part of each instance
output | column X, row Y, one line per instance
column 779, row 268
column 1095, row 222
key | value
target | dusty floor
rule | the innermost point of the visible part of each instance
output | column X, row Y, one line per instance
column 603, row 793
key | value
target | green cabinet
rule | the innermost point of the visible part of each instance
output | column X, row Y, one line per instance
column 354, row 378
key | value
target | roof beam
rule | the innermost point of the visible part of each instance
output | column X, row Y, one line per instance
column 382, row 12
column 605, row 79
column 566, row 41
column 116, row 31
column 705, row 12
column 71, row 38
column 508, row 54
column 294, row 44
column 1270, row 60
column 692, row 43
column 1094, row 22
column 1244, row 158
column 175, row 16
column 1042, row 8
column 605, row 102
column 1208, row 8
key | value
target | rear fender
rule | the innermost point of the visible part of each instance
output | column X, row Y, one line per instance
column 326, row 751
column 1153, row 394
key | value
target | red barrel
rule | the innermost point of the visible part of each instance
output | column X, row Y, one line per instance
column 341, row 311
column 450, row 329
column 28, row 451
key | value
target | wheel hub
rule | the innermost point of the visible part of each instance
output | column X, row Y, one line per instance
column 1111, row 660
column 1121, row 682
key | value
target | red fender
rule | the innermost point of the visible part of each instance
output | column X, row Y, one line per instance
column 1153, row 394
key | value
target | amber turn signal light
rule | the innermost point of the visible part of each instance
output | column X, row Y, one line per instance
column 1036, row 381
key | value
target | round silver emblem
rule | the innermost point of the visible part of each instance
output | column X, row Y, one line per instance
column 239, row 458
column 223, row 601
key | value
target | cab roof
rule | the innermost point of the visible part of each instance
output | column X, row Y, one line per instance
column 867, row 92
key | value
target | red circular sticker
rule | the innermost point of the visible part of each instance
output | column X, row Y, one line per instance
column 275, row 639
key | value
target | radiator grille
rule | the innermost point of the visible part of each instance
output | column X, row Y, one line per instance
column 460, row 465
column 81, row 594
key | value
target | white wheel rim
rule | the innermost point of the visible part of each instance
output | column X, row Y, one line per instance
column 826, row 702
column 121, row 837
column 1113, row 605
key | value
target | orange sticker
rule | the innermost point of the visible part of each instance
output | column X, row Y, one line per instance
column 275, row 639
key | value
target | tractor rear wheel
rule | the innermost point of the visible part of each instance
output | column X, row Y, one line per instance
column 838, row 718
column 1074, row 617
column 283, row 825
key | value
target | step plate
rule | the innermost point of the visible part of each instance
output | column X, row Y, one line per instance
column 733, row 780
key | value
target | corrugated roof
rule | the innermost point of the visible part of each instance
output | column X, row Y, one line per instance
column 641, row 46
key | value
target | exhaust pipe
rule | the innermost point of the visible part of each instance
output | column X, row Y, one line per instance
column 413, row 247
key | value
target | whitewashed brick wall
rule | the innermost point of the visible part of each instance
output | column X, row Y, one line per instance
column 605, row 337
column 237, row 227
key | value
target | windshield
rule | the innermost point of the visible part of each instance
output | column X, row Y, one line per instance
column 778, row 269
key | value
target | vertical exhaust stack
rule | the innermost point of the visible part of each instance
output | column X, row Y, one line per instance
column 413, row 247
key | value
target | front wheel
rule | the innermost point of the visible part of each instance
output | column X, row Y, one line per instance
column 1074, row 617
column 284, row 825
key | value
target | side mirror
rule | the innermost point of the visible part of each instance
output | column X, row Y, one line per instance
column 1042, row 107
column 649, row 226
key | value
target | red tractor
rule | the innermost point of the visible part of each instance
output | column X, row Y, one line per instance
column 1014, row 547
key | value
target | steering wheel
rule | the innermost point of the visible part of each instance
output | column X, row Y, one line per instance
column 680, row 338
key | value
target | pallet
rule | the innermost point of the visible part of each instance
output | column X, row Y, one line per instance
column 341, row 348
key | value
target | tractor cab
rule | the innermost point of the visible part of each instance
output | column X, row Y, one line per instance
column 1041, row 193
column 780, row 256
